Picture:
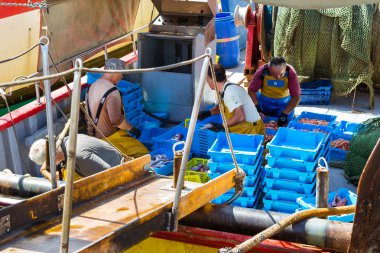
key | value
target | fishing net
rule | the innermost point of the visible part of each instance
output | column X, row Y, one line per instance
column 361, row 147
column 376, row 46
column 328, row 43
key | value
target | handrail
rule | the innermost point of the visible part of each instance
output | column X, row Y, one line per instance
column 71, row 157
column 49, row 113
column 189, row 139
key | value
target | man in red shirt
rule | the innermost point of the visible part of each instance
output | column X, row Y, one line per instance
column 275, row 90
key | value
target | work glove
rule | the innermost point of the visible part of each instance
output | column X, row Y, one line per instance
column 258, row 108
column 216, row 127
column 282, row 119
column 135, row 132
column 204, row 114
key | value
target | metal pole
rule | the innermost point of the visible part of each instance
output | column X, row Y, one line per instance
column 74, row 120
column 133, row 43
column 105, row 53
column 38, row 96
column 322, row 188
column 49, row 111
column 189, row 139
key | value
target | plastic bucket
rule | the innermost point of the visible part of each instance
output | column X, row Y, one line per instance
column 229, row 6
column 227, row 46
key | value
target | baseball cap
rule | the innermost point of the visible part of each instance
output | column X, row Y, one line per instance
column 114, row 64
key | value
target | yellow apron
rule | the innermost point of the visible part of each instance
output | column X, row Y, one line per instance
column 127, row 144
column 275, row 88
column 244, row 127
column 76, row 175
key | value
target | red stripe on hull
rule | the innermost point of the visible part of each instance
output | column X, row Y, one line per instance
column 32, row 108
column 217, row 239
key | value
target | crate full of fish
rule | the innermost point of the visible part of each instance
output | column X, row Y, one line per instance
column 162, row 161
column 310, row 127
column 271, row 127
column 339, row 146
column 246, row 148
column 316, row 119
column 197, row 170
column 296, row 144
column 168, row 139
column 342, row 197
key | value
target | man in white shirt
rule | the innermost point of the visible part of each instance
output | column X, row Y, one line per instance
column 241, row 114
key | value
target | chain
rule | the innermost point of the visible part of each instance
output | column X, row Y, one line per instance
column 40, row 5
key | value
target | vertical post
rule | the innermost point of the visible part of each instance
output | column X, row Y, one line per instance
column 189, row 139
column 38, row 96
column 47, row 152
column 74, row 120
column 105, row 53
column 49, row 111
column 133, row 43
column 322, row 187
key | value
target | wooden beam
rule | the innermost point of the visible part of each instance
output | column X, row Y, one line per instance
column 26, row 213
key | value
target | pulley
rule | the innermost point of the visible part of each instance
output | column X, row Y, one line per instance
column 242, row 15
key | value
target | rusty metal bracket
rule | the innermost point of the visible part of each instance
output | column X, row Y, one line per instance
column 60, row 201
column 169, row 221
column 5, row 224
column 366, row 232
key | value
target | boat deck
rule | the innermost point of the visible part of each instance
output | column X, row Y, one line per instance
column 129, row 212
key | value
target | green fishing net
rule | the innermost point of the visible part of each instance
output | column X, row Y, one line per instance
column 328, row 43
column 361, row 147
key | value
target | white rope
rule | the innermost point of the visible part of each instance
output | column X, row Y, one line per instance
column 96, row 70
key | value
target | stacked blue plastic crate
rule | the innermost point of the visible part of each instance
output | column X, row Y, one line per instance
column 291, row 169
column 345, row 130
column 248, row 150
column 132, row 101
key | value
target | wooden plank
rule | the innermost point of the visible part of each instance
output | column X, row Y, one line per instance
column 112, row 223
column 203, row 195
column 38, row 208
column 125, row 237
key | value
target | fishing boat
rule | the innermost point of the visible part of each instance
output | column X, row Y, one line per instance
column 128, row 208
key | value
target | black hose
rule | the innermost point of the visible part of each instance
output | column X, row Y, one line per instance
column 167, row 121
